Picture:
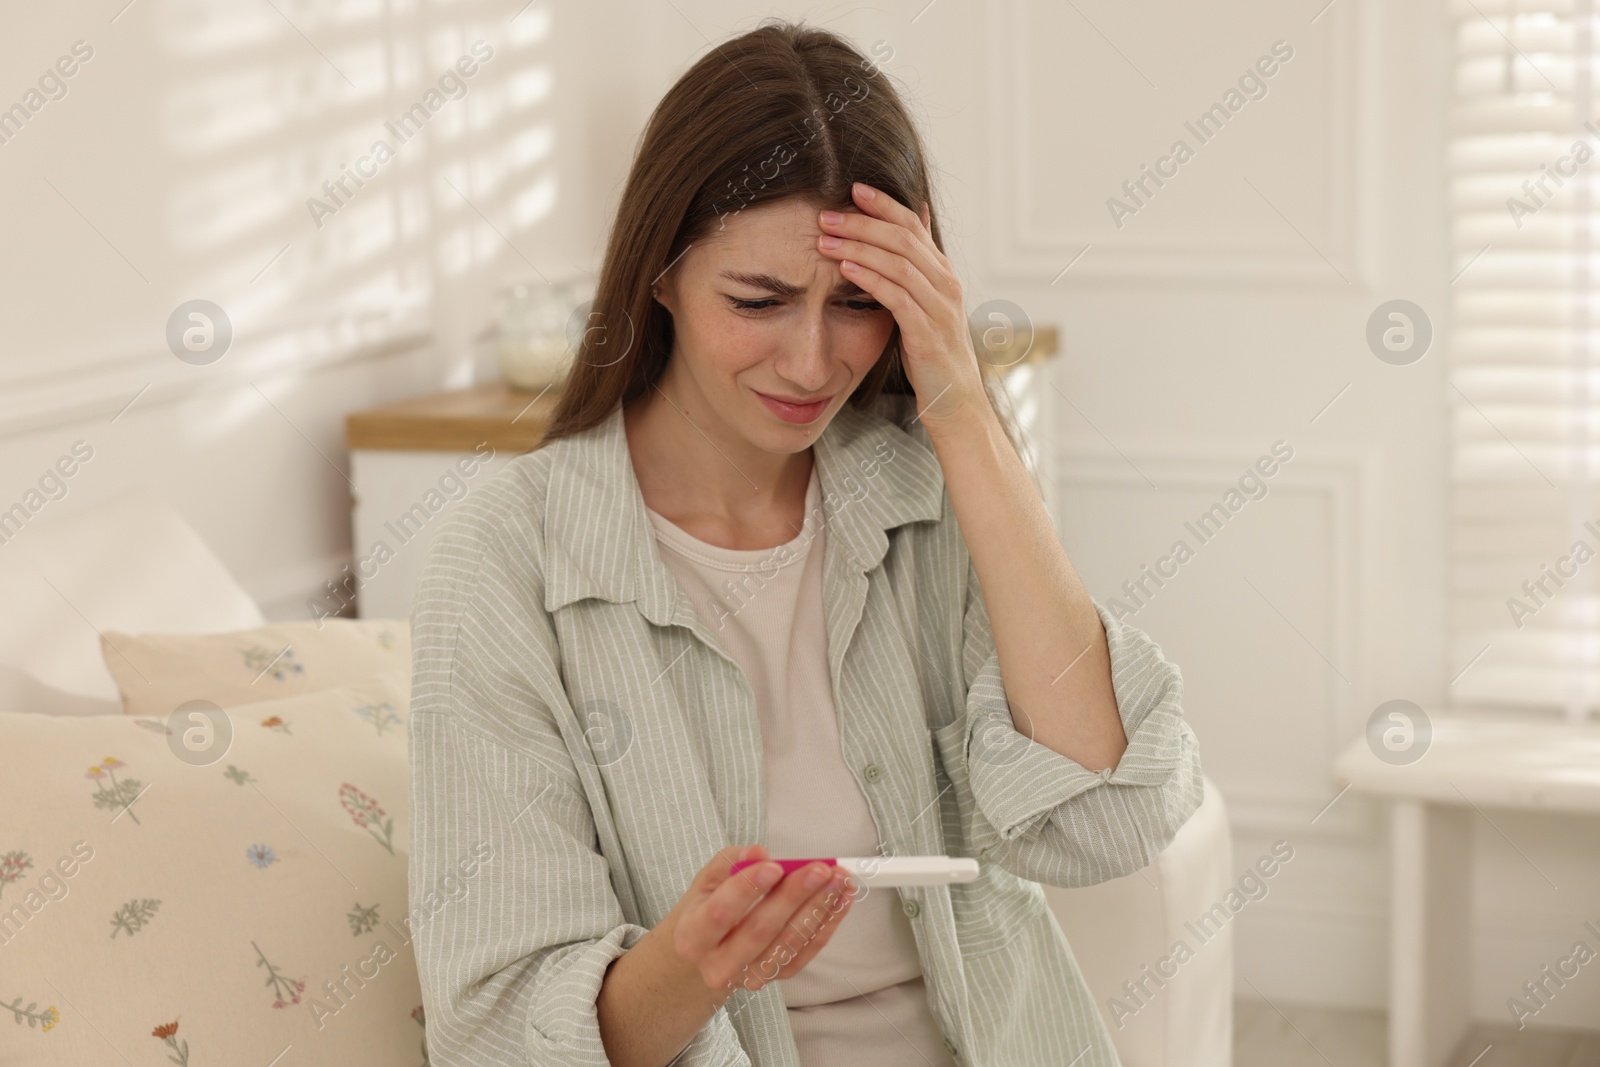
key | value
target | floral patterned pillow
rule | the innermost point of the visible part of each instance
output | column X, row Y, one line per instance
column 210, row 888
column 157, row 672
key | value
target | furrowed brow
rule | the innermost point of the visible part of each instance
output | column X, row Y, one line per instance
column 764, row 282
column 845, row 290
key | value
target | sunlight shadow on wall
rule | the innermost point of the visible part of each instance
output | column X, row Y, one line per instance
column 320, row 140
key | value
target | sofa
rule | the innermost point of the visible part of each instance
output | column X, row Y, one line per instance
column 205, row 846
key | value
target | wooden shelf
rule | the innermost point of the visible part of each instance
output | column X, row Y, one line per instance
column 1046, row 343
column 509, row 420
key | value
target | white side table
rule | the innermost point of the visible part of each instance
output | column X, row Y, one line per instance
column 412, row 462
column 1534, row 765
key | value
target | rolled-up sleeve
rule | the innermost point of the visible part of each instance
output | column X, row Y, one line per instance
column 1046, row 817
column 514, row 916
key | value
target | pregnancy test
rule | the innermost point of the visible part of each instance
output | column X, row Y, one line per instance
column 887, row 871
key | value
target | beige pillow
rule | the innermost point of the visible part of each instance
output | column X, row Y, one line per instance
column 158, row 672
column 150, row 903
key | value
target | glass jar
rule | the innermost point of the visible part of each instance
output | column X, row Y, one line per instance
column 532, row 345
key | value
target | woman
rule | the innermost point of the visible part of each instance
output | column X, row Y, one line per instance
column 731, row 609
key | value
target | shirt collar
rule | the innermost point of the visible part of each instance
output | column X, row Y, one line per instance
column 875, row 476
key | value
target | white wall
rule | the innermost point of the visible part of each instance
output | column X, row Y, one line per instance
column 179, row 165
column 1222, row 317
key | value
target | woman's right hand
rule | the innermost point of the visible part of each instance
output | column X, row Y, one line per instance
column 747, row 929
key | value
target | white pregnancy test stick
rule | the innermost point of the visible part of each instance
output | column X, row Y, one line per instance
column 891, row 871
column 887, row 871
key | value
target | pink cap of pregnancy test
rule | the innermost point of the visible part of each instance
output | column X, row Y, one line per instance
column 789, row 866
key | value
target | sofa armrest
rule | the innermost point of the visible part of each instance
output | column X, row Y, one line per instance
column 1164, row 1006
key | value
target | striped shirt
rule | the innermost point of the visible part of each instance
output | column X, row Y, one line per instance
column 576, row 719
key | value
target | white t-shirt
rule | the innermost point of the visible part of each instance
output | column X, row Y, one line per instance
column 861, row 1001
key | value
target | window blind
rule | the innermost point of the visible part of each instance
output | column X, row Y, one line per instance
column 1524, row 384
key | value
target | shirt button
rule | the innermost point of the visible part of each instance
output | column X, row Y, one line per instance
column 872, row 772
column 1105, row 775
column 911, row 908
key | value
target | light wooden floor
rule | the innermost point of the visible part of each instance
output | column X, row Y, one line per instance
column 1317, row 1037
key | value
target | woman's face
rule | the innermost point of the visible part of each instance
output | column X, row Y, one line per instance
column 761, row 317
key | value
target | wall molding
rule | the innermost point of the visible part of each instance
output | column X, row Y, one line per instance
column 73, row 393
column 1342, row 481
column 1018, row 253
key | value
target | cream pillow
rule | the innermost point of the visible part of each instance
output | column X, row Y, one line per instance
column 159, row 903
column 158, row 672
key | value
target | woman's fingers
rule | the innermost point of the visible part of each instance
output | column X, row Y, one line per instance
column 915, row 323
column 860, row 231
column 881, row 205
column 889, row 264
column 715, row 872
column 886, row 248
column 884, row 220
column 754, row 926
column 740, row 958
column 717, row 901
column 806, row 930
column 831, row 903
column 892, row 241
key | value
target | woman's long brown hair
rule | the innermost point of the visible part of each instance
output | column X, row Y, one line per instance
column 784, row 110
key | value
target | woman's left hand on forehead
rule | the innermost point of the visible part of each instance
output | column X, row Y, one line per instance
column 888, row 251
